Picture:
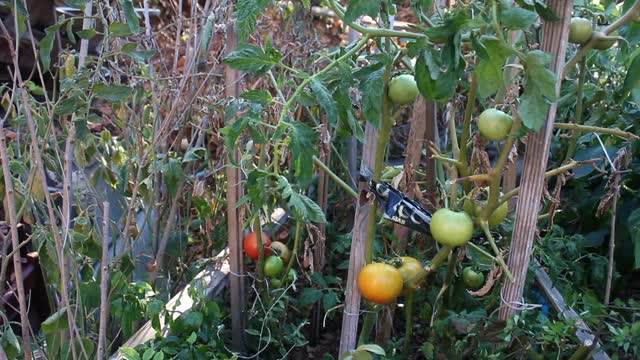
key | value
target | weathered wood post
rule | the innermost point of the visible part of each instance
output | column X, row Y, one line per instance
column 234, row 214
column 554, row 42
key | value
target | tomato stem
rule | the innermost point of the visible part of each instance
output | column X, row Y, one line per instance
column 408, row 325
column 466, row 126
column 485, row 227
column 573, row 141
column 294, row 251
column 335, row 177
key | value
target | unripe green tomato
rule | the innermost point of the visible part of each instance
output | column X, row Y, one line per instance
column 580, row 31
column 604, row 44
column 472, row 279
column 275, row 283
column 496, row 217
column 494, row 124
column 451, row 228
column 273, row 266
column 403, row 89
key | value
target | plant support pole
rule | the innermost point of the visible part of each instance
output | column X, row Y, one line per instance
column 554, row 42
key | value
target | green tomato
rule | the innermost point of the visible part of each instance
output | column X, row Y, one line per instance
column 403, row 89
column 472, row 279
column 451, row 228
column 604, row 44
column 494, row 124
column 275, row 283
column 474, row 209
column 273, row 266
column 580, row 31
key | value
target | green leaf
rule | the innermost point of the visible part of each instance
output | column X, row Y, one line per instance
column 86, row 34
column 258, row 96
column 192, row 338
column 329, row 300
column 632, row 80
column 299, row 204
column 119, row 29
column 303, row 147
column 129, row 353
column 361, row 355
column 46, row 44
column 309, row 297
column 514, row 18
column 56, row 322
column 357, row 8
column 130, row 15
column 250, row 58
column 173, row 174
column 148, row 354
column 246, row 14
column 131, row 49
column 426, row 84
column 324, row 98
column 538, row 75
column 372, row 89
column 634, row 232
column 490, row 69
column 372, row 348
column 111, row 92
column 232, row 132
column 533, row 109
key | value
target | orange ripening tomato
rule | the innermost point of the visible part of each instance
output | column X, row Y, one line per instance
column 380, row 283
column 251, row 245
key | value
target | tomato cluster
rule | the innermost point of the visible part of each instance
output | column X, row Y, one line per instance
column 276, row 255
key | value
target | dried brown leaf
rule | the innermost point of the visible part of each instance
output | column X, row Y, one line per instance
column 494, row 275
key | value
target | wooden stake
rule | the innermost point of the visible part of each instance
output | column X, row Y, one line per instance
column 234, row 215
column 554, row 42
column 351, row 311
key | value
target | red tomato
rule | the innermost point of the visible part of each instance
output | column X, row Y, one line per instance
column 251, row 245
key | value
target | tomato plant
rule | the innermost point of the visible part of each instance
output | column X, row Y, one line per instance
column 403, row 89
column 580, row 30
column 413, row 273
column 494, row 124
column 273, row 266
column 252, row 248
column 451, row 228
column 380, row 283
column 471, row 278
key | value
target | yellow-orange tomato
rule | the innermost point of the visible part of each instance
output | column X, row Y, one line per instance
column 413, row 273
column 380, row 283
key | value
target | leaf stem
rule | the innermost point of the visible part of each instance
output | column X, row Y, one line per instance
column 294, row 251
column 335, row 177
column 596, row 129
column 573, row 141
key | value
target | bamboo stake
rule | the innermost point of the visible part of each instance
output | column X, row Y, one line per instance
column 537, row 153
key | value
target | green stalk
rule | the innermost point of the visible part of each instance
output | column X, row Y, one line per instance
column 335, row 177
column 408, row 325
column 453, row 171
column 466, row 126
column 573, row 141
column 485, row 227
column 367, row 325
column 294, row 251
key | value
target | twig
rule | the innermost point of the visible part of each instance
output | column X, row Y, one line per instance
column 612, row 237
column 104, row 284
column 15, row 242
column 597, row 129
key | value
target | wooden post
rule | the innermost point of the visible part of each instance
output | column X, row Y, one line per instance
column 554, row 42
column 234, row 215
column 351, row 311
